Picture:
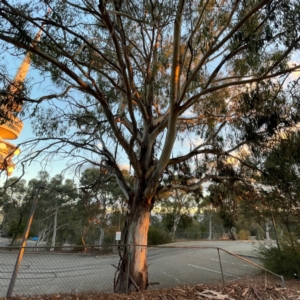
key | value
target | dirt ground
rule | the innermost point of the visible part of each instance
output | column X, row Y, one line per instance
column 231, row 291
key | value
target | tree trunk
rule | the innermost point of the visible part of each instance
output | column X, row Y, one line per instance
column 232, row 234
column 42, row 236
column 85, row 231
column 101, row 238
column 175, row 225
column 268, row 227
column 209, row 226
column 132, row 273
column 54, row 229
column 16, row 233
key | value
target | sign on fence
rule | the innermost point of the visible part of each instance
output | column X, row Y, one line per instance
column 118, row 236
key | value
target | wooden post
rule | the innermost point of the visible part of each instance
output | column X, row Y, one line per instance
column 22, row 248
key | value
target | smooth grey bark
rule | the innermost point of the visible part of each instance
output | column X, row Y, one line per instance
column 101, row 237
column 54, row 228
column 232, row 233
column 43, row 235
column 209, row 226
column 268, row 228
column 175, row 225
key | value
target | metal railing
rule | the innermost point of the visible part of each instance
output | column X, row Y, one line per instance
column 69, row 269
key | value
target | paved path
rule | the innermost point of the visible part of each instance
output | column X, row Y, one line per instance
column 42, row 272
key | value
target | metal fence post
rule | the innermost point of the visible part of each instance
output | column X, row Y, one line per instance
column 221, row 266
column 266, row 280
column 128, row 268
column 282, row 282
column 22, row 248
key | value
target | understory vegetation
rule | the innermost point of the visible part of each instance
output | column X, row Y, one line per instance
column 284, row 260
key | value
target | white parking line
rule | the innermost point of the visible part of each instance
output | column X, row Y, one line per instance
column 229, row 262
column 171, row 276
column 209, row 270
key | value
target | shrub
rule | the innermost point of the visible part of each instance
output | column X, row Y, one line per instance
column 109, row 238
column 284, row 261
column 243, row 234
column 157, row 236
column 257, row 231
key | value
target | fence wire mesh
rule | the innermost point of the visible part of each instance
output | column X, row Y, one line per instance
column 69, row 270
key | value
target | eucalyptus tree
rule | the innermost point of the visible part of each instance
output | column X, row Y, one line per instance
column 137, row 76
column 279, row 183
column 99, row 199
column 178, row 205
column 224, row 197
column 56, row 195
column 61, row 193
column 209, row 211
column 12, row 195
column 17, row 197
column 13, row 191
column 274, row 197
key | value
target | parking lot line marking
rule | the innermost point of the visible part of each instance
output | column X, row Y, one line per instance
column 232, row 263
column 170, row 276
column 209, row 270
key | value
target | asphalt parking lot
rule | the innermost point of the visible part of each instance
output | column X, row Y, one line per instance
column 46, row 273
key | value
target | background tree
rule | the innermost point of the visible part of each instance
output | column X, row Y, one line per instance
column 278, row 185
column 100, row 200
column 11, row 202
column 278, row 190
column 137, row 76
column 60, row 194
column 225, row 198
column 179, row 205
column 51, row 212
column 209, row 215
column 178, row 210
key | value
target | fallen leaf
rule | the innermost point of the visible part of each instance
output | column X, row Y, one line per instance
column 245, row 292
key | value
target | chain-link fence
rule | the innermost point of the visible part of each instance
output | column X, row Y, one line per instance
column 68, row 270
column 204, row 235
column 198, row 235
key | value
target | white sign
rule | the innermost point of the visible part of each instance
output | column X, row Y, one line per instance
column 118, row 236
